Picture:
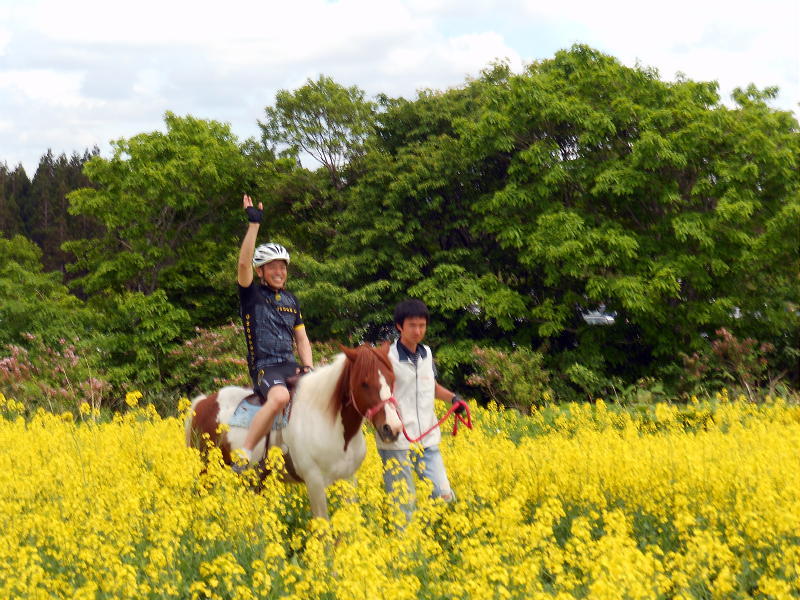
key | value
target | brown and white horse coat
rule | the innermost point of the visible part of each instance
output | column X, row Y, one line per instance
column 322, row 441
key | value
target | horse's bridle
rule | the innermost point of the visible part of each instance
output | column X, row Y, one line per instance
column 372, row 411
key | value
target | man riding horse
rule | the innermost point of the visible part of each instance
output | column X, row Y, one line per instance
column 272, row 324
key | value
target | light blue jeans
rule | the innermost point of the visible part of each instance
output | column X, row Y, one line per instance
column 428, row 465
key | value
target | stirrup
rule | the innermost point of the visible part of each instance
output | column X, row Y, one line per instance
column 239, row 462
column 240, row 468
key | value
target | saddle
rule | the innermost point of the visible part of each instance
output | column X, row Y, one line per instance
column 248, row 407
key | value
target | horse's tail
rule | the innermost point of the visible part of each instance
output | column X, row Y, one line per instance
column 190, row 418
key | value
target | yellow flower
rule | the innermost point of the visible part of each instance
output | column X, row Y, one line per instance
column 577, row 505
column 184, row 404
column 132, row 398
column 85, row 409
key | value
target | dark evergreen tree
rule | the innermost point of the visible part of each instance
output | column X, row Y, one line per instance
column 41, row 208
column 48, row 221
column 14, row 189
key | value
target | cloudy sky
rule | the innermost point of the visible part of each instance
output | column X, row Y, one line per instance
column 79, row 73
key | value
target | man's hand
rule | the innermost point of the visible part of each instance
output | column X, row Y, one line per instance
column 459, row 403
column 254, row 215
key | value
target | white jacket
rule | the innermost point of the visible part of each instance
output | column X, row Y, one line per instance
column 414, row 390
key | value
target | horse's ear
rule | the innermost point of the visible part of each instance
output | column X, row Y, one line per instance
column 384, row 347
column 351, row 353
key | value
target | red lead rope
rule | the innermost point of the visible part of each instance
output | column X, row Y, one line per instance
column 453, row 408
column 391, row 400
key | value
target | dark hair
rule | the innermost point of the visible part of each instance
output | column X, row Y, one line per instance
column 410, row 308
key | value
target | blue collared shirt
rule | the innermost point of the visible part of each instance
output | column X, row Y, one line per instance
column 404, row 354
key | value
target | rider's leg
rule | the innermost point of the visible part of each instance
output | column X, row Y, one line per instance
column 277, row 399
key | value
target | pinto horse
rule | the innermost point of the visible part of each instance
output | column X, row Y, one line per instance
column 322, row 441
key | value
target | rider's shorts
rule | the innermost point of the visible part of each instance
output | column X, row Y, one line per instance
column 273, row 375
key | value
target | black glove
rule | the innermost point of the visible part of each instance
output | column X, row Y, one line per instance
column 462, row 407
column 254, row 215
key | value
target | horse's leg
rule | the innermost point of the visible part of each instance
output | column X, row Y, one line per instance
column 353, row 481
column 317, row 498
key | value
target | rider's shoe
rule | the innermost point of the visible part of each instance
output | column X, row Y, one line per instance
column 240, row 468
column 240, row 462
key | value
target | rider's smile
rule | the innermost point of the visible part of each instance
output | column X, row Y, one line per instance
column 274, row 273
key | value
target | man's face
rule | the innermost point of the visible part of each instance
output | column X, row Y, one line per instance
column 412, row 331
column 274, row 274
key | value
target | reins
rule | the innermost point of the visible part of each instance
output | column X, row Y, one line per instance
column 458, row 418
column 391, row 400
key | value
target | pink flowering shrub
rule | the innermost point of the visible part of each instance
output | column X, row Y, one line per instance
column 512, row 378
column 58, row 376
column 61, row 376
column 217, row 357
column 728, row 361
column 211, row 359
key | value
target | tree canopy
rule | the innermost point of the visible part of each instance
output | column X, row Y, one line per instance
column 324, row 119
column 513, row 205
column 166, row 202
column 34, row 302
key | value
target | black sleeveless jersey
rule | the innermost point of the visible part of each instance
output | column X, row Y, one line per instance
column 270, row 319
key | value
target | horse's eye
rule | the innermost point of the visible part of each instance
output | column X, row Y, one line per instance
column 365, row 385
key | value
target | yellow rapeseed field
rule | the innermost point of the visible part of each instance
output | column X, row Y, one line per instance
column 692, row 502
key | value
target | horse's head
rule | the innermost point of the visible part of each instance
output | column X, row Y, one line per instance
column 371, row 385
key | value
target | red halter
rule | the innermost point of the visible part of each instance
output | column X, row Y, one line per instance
column 371, row 411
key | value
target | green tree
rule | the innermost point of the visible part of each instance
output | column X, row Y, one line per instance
column 139, row 331
column 35, row 302
column 167, row 203
column 49, row 223
column 645, row 196
column 14, row 188
column 517, row 202
column 408, row 228
column 324, row 119
column 301, row 206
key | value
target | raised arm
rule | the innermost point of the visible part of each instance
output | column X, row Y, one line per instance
column 254, row 215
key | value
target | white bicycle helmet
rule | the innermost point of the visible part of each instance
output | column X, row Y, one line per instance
column 268, row 252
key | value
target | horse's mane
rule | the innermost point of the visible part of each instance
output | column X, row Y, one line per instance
column 319, row 386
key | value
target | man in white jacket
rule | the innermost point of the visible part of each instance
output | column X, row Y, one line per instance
column 415, row 388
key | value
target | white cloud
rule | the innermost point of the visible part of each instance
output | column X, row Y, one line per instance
column 44, row 86
column 294, row 29
column 77, row 74
column 733, row 43
column 466, row 51
column 462, row 55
